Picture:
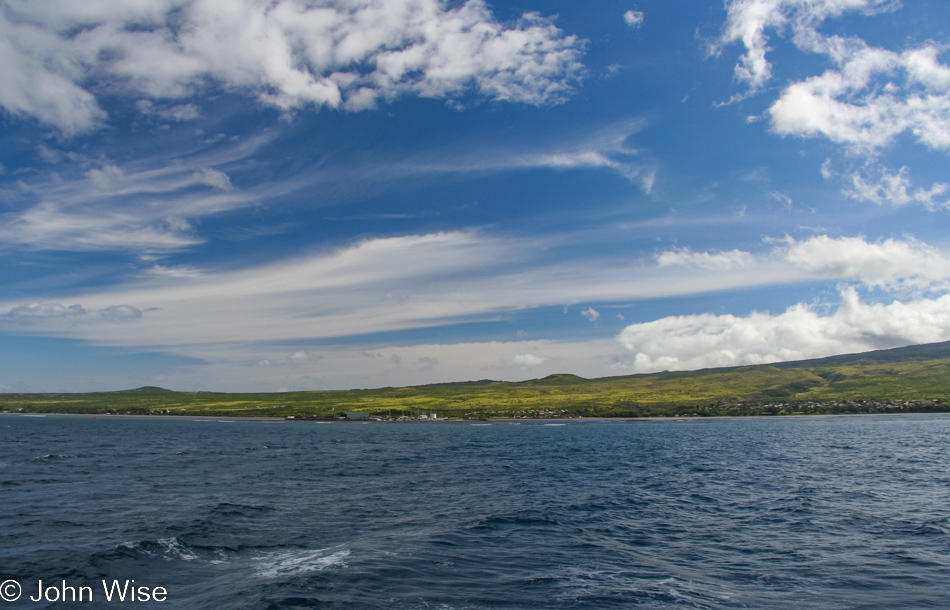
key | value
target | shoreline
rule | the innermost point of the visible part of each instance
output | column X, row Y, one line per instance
column 561, row 421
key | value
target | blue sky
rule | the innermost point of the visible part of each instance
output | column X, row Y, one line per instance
column 241, row 195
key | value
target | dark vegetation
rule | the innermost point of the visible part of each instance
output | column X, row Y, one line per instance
column 909, row 379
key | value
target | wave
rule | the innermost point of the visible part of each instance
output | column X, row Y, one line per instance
column 581, row 585
column 168, row 549
column 268, row 563
column 281, row 564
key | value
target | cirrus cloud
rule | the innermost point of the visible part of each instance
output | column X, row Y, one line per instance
column 55, row 314
column 720, row 260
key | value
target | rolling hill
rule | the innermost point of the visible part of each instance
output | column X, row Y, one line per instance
column 914, row 378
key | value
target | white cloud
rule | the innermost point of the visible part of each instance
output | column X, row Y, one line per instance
column 897, row 189
column 604, row 148
column 707, row 340
column 176, row 271
column 591, row 314
column 378, row 285
column 175, row 112
column 527, row 361
column 39, row 81
column 585, row 158
column 633, row 18
column 734, row 259
column 300, row 358
column 250, row 315
column 144, row 206
column 417, row 281
column 156, row 203
column 870, row 97
column 749, row 20
column 54, row 227
column 56, row 315
column 873, row 97
column 892, row 264
column 288, row 53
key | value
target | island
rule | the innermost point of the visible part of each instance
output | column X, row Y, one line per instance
column 912, row 379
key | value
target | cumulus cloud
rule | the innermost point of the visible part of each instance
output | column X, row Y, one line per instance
column 733, row 259
column 633, row 18
column 707, row 340
column 527, row 361
column 896, row 189
column 891, row 263
column 871, row 95
column 288, row 53
column 41, row 82
column 748, row 21
column 900, row 266
column 591, row 314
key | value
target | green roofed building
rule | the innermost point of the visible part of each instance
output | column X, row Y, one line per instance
column 354, row 415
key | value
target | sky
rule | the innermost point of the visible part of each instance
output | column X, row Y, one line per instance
column 247, row 195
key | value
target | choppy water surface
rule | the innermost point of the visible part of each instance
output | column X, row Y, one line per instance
column 818, row 512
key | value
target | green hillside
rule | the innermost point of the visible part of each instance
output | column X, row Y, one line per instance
column 915, row 378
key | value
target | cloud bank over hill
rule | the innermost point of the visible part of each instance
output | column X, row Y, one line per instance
column 898, row 267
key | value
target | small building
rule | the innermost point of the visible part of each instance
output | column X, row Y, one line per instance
column 354, row 415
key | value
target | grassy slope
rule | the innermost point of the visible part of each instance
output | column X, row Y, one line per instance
column 914, row 373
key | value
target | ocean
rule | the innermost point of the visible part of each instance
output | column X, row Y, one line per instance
column 781, row 512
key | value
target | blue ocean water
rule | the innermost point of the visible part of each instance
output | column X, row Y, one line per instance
column 811, row 512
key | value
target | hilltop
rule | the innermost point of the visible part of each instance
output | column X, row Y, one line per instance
column 914, row 378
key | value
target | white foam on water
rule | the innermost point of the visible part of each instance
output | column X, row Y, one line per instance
column 292, row 563
column 175, row 550
column 692, row 593
column 555, row 424
column 592, row 582
column 171, row 549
